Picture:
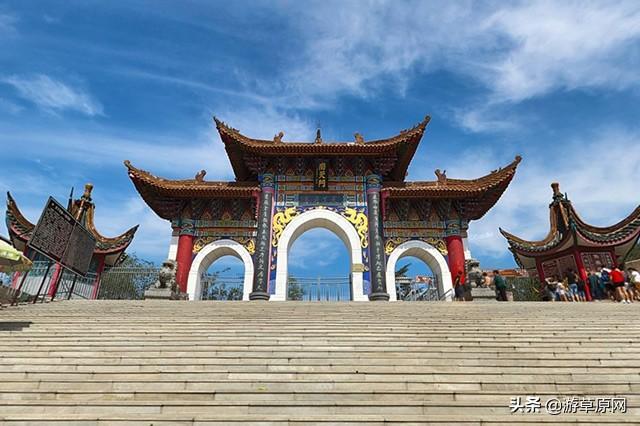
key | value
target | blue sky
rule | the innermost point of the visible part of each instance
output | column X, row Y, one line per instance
column 87, row 84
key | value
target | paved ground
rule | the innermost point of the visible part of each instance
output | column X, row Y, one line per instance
column 248, row 363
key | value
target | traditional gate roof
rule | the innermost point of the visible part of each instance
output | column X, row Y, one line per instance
column 241, row 149
column 21, row 229
column 166, row 197
column 479, row 194
column 568, row 230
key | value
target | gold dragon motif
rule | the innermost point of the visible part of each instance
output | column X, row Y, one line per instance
column 439, row 244
column 360, row 222
column 247, row 243
column 392, row 243
column 280, row 221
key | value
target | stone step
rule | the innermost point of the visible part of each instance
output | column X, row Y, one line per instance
column 123, row 362
column 380, row 368
column 310, row 420
column 262, row 395
column 268, row 408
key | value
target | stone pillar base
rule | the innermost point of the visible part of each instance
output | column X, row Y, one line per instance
column 259, row 295
column 379, row 297
column 163, row 294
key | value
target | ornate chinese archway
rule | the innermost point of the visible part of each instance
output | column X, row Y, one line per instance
column 355, row 189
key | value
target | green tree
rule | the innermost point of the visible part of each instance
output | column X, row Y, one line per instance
column 403, row 287
column 215, row 289
column 294, row 290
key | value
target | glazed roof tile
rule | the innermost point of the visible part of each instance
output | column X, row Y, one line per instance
column 402, row 146
column 448, row 187
column 166, row 196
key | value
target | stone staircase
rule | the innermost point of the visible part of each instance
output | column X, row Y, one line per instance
column 291, row 363
column 483, row 294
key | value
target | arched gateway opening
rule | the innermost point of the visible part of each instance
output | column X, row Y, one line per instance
column 319, row 268
column 429, row 255
column 332, row 221
column 209, row 254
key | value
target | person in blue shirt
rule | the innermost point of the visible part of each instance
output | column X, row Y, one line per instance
column 594, row 285
column 501, row 286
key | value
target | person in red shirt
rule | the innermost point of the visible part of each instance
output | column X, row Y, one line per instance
column 617, row 279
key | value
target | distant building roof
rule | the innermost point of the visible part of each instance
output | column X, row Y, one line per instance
column 568, row 230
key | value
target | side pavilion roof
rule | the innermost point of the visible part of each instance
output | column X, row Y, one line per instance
column 568, row 230
column 21, row 229
column 166, row 197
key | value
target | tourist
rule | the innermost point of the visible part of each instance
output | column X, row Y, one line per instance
column 501, row 286
column 582, row 294
column 634, row 282
column 561, row 290
column 486, row 280
column 572, row 281
column 605, row 283
column 617, row 283
column 594, row 285
column 458, row 287
column 551, row 289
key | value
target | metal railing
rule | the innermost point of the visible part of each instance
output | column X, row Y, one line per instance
column 127, row 283
column 33, row 282
column 220, row 287
column 319, row 289
column 411, row 290
column 81, row 289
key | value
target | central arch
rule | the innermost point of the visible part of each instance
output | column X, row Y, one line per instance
column 429, row 255
column 209, row 254
column 334, row 222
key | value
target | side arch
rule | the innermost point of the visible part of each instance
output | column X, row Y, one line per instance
column 429, row 255
column 332, row 221
column 209, row 254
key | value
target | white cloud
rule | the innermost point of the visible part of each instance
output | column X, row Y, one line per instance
column 10, row 107
column 7, row 23
column 181, row 156
column 264, row 123
column 568, row 45
column 318, row 248
column 516, row 51
column 54, row 95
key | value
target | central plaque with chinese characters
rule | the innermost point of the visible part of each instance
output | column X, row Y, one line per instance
column 320, row 179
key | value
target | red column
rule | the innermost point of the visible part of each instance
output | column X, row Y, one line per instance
column 614, row 258
column 455, row 251
column 583, row 273
column 55, row 279
column 96, row 283
column 184, row 259
column 384, row 194
column 541, row 276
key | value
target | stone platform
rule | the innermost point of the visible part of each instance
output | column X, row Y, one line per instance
column 292, row 363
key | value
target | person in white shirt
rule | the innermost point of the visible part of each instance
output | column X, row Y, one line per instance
column 634, row 282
